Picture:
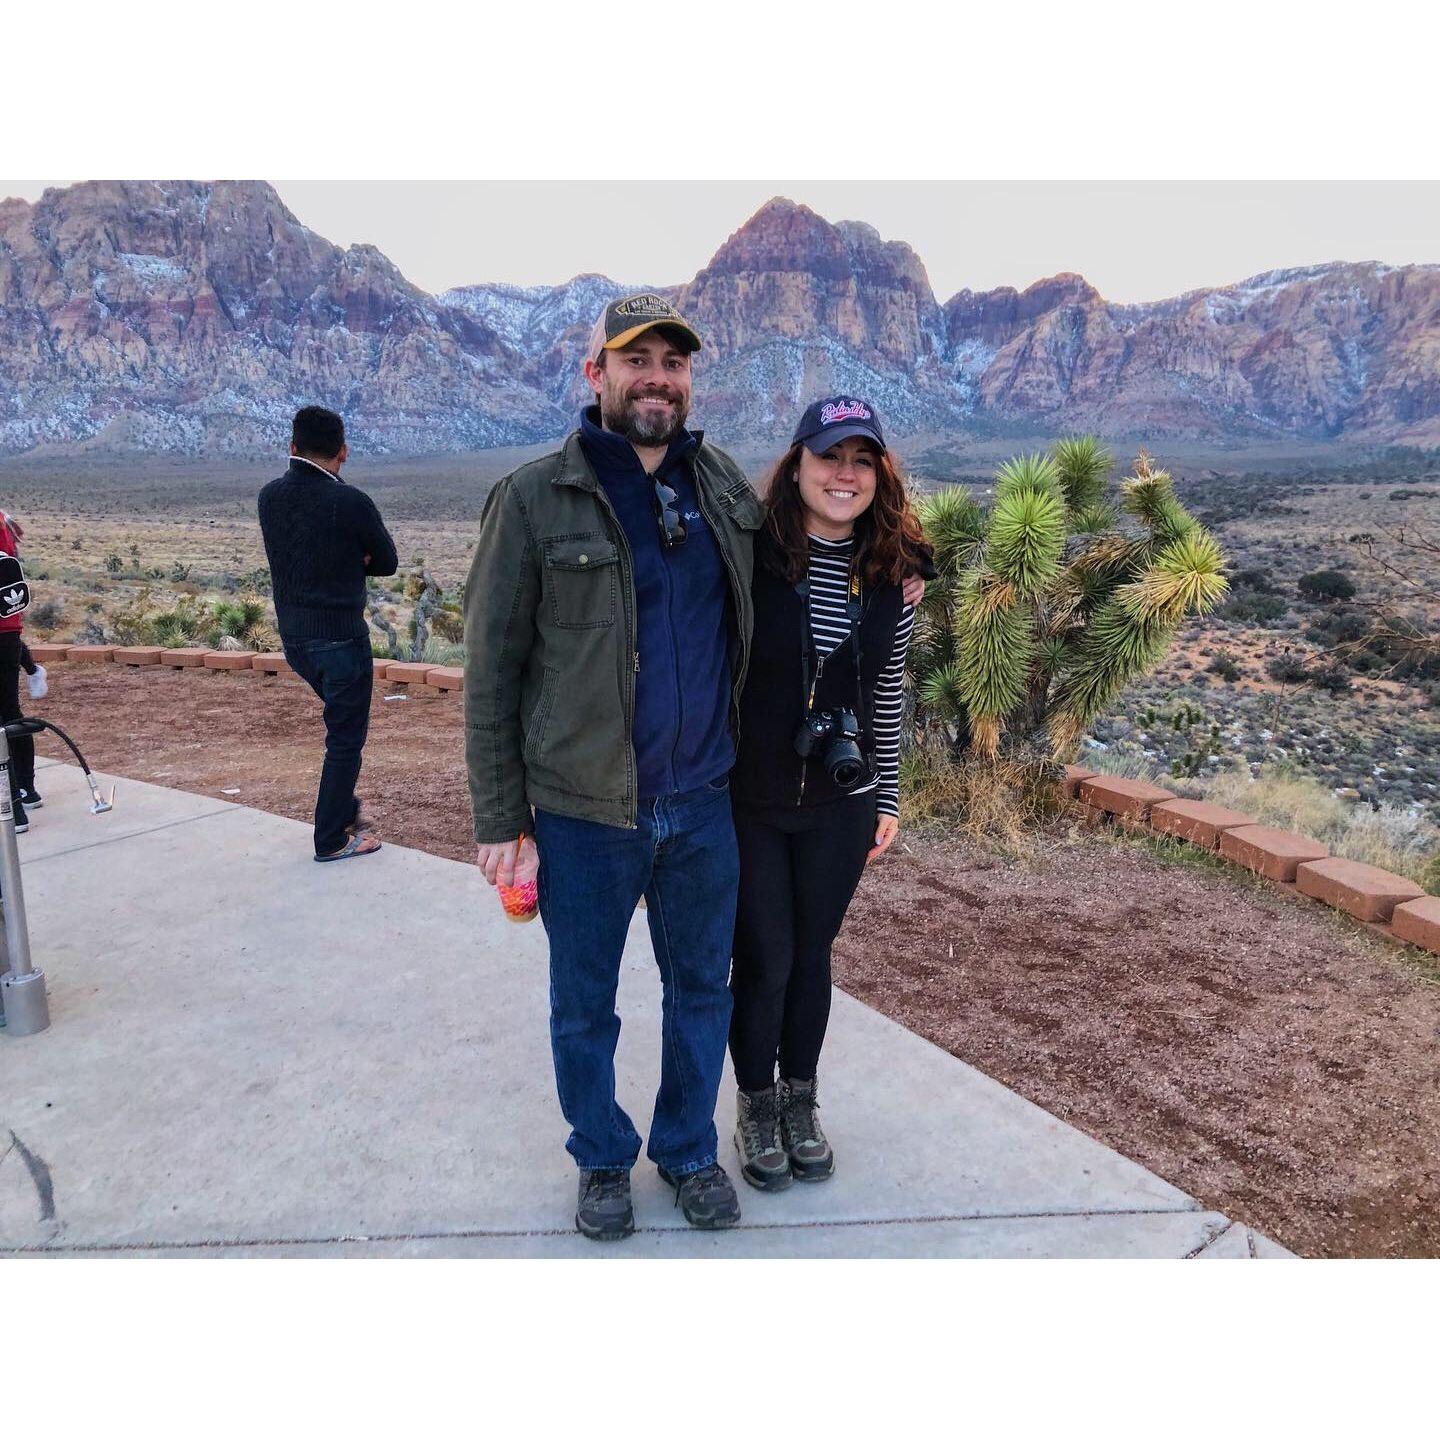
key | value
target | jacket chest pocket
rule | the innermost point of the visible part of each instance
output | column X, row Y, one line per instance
column 582, row 581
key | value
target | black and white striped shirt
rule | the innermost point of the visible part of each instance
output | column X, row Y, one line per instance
column 829, row 590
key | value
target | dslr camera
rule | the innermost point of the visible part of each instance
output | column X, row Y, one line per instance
column 833, row 735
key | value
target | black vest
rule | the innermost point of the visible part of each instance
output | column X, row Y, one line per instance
column 768, row 772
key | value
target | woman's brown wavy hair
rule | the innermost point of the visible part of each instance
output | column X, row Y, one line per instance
column 890, row 543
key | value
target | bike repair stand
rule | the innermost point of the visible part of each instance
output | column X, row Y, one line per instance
column 24, row 1006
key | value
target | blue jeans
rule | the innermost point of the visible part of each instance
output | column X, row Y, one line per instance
column 342, row 674
column 682, row 858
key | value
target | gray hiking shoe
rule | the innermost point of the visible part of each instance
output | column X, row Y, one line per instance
column 764, row 1163
column 811, row 1157
column 603, row 1210
column 706, row 1197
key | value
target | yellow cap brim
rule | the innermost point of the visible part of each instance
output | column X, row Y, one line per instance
column 626, row 336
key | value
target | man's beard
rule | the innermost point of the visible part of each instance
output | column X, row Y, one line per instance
column 620, row 414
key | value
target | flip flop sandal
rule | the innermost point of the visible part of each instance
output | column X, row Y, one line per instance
column 354, row 846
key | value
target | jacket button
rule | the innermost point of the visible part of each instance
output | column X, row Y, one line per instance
column 584, row 559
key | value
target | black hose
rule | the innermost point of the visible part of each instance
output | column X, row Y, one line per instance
column 33, row 725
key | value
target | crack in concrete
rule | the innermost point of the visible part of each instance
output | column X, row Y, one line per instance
column 1204, row 1245
column 235, row 1243
column 39, row 1175
column 134, row 834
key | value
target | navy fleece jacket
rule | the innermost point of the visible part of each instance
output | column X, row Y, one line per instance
column 682, row 692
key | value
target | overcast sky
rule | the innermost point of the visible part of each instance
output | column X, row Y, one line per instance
column 1132, row 240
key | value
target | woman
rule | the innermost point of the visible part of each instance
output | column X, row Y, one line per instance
column 816, row 780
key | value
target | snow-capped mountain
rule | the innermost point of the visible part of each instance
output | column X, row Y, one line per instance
column 197, row 317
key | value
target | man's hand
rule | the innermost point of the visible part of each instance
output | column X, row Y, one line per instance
column 885, row 833
column 13, row 523
column 511, row 863
column 498, row 861
column 913, row 590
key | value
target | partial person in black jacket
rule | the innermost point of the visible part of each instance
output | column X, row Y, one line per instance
column 815, row 787
column 322, row 538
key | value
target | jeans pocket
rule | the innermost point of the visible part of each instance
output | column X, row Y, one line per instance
column 717, row 786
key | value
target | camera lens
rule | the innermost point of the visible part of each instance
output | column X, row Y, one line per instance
column 845, row 764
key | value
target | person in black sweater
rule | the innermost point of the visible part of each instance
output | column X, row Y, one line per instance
column 322, row 538
column 815, row 787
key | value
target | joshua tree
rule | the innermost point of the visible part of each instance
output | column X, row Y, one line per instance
column 1051, row 602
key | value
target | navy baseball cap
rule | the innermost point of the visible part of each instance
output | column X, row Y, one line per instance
column 827, row 422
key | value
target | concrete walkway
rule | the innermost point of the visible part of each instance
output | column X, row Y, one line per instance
column 251, row 1054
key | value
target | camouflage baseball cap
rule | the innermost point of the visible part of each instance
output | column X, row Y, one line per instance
column 631, row 315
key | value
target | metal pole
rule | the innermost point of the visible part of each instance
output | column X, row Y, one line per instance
column 22, row 987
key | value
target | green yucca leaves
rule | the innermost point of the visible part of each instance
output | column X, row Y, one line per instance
column 940, row 693
column 1093, row 519
column 1027, row 532
column 1028, row 472
column 1047, row 606
column 1184, row 579
column 1083, row 464
column 953, row 524
column 996, row 648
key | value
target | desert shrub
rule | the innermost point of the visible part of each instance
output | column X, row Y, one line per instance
column 47, row 614
column 179, row 626
column 1332, row 679
column 1225, row 666
column 75, row 546
column 179, row 573
column 1325, row 586
column 240, row 621
column 449, row 624
column 1254, row 607
column 1256, row 578
column 130, row 623
column 113, row 564
column 1287, row 669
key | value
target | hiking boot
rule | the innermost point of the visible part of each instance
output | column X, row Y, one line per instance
column 706, row 1197
column 764, row 1162
column 811, row 1157
column 604, row 1211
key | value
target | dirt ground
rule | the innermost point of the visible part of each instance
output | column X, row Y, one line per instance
column 1260, row 1052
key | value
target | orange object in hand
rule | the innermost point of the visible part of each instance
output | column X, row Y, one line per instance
column 521, row 901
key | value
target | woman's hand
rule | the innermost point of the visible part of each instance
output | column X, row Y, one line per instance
column 885, row 833
column 913, row 590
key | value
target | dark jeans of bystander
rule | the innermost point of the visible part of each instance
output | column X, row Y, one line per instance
column 342, row 674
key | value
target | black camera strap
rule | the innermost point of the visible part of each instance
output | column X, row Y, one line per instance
column 855, row 602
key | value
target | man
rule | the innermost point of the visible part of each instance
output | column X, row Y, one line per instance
column 322, row 538
column 607, row 633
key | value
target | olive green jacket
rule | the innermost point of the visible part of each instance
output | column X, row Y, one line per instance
column 550, row 655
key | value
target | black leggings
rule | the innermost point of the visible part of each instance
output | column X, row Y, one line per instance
column 798, row 872
column 22, row 747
